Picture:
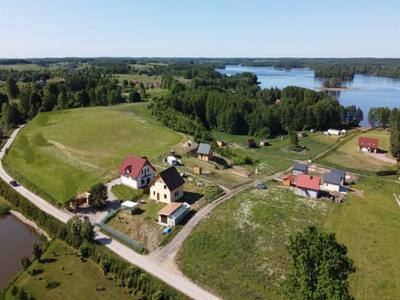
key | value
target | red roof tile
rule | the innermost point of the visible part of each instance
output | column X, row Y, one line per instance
column 368, row 142
column 133, row 165
column 308, row 182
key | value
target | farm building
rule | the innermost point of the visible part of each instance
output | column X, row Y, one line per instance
column 299, row 168
column 171, row 160
column 307, row 186
column 204, row 152
column 167, row 186
column 197, row 170
column 368, row 144
column 80, row 200
column 333, row 132
column 301, row 134
column 251, row 143
column 136, row 172
column 173, row 213
column 220, row 143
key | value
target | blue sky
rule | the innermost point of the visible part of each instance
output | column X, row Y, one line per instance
column 206, row 28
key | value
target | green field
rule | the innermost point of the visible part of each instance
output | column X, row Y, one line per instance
column 5, row 206
column 123, row 192
column 240, row 252
column 66, row 152
column 276, row 156
column 77, row 279
column 349, row 157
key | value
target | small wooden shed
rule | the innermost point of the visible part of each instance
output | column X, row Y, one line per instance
column 197, row 170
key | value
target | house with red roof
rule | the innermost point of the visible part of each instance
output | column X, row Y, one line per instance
column 136, row 172
column 307, row 186
column 368, row 144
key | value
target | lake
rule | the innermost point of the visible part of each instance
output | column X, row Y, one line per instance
column 367, row 92
column 17, row 240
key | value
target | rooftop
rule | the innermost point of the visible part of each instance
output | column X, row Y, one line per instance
column 204, row 149
column 308, row 182
column 300, row 167
column 333, row 178
column 133, row 165
column 171, row 178
column 370, row 142
column 170, row 208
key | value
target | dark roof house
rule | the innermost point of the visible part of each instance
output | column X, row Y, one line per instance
column 340, row 173
column 171, row 178
column 333, row 178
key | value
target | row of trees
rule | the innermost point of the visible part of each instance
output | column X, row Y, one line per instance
column 237, row 105
column 80, row 88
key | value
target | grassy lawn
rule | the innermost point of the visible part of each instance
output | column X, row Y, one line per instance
column 276, row 156
column 66, row 152
column 141, row 225
column 77, row 279
column 347, row 155
column 240, row 251
column 123, row 192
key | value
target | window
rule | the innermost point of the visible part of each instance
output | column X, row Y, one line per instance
column 154, row 193
column 142, row 181
column 165, row 196
column 165, row 187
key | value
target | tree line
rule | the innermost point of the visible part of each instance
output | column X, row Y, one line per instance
column 236, row 104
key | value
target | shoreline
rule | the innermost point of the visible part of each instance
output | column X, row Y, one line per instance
column 29, row 222
column 341, row 89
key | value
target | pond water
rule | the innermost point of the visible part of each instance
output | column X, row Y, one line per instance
column 367, row 91
column 16, row 241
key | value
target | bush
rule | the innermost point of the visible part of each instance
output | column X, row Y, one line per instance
column 52, row 285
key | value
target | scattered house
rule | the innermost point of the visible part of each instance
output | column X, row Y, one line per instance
column 197, row 170
column 251, row 143
column 301, row 134
column 288, row 180
column 136, row 172
column 173, row 213
column 333, row 132
column 80, row 200
column 299, row 168
column 264, row 143
column 308, row 186
column 220, row 144
column 368, row 144
column 342, row 174
column 171, row 160
column 204, row 152
column 167, row 186
column 129, row 206
column 332, row 182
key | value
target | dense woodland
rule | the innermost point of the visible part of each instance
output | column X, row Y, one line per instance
column 237, row 105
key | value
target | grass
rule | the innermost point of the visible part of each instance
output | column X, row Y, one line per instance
column 240, row 251
column 348, row 156
column 246, row 237
column 68, row 151
column 77, row 279
column 5, row 206
column 276, row 156
column 123, row 192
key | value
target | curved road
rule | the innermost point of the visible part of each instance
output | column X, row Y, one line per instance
column 147, row 263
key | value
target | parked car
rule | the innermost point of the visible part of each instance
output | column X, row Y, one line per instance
column 14, row 183
column 260, row 186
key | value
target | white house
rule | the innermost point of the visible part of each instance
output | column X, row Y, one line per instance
column 167, row 187
column 333, row 132
column 136, row 172
column 173, row 213
column 334, row 181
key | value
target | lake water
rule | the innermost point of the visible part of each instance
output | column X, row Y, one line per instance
column 16, row 241
column 369, row 91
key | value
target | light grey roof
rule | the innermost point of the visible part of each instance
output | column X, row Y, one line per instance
column 340, row 173
column 300, row 167
column 204, row 149
column 333, row 178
